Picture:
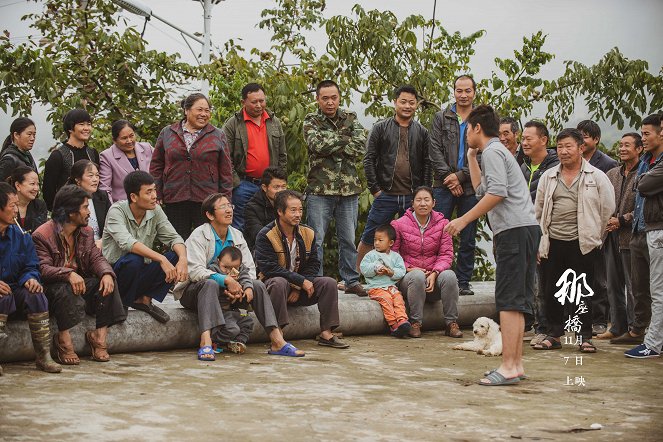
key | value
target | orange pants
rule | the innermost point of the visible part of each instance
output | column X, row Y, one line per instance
column 393, row 306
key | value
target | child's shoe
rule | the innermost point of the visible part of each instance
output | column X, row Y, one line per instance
column 402, row 330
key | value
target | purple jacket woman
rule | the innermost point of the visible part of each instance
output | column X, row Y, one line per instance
column 124, row 156
column 115, row 166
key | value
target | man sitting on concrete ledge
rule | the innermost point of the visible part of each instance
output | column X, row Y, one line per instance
column 20, row 290
column 288, row 262
column 77, row 277
column 207, row 288
column 132, row 227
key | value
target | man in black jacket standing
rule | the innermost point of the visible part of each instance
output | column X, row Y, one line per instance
column 396, row 163
column 591, row 134
column 260, row 211
column 452, row 186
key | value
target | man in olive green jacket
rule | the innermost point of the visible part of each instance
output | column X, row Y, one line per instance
column 256, row 141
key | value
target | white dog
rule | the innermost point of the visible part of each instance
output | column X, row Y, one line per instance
column 487, row 338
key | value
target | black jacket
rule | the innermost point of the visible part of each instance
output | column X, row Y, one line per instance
column 549, row 161
column 11, row 158
column 101, row 204
column 445, row 143
column 602, row 161
column 267, row 258
column 56, row 172
column 36, row 214
column 381, row 151
column 258, row 212
column 650, row 185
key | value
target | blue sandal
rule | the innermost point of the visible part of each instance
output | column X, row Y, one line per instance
column 205, row 352
column 287, row 350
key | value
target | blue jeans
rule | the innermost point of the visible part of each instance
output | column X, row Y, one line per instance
column 241, row 195
column 320, row 210
column 445, row 203
column 382, row 212
column 136, row 279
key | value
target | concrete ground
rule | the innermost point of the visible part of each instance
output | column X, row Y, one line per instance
column 379, row 389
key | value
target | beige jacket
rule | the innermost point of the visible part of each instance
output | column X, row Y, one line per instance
column 596, row 204
column 200, row 250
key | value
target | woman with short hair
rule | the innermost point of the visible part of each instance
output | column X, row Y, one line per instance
column 191, row 161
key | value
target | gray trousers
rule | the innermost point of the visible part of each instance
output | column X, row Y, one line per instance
column 620, row 295
column 325, row 295
column 237, row 328
column 205, row 297
column 413, row 288
column 654, row 336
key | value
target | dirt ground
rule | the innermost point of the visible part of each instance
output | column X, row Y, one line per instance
column 379, row 389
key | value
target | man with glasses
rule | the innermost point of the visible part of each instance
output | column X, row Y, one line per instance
column 287, row 260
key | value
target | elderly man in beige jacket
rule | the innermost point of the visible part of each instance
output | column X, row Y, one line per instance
column 574, row 202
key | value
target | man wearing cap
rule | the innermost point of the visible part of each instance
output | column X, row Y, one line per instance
column 77, row 125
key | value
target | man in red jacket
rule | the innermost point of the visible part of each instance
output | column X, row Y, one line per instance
column 77, row 277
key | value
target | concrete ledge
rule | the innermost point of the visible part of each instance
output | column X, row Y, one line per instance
column 359, row 316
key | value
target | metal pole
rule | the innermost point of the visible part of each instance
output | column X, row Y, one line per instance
column 207, row 40
column 191, row 36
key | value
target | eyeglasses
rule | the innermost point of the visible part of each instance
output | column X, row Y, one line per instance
column 225, row 207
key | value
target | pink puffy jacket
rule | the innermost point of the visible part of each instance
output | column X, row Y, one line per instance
column 433, row 250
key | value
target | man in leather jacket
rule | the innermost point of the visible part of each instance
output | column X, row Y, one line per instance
column 396, row 163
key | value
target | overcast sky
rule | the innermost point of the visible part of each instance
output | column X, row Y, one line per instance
column 581, row 30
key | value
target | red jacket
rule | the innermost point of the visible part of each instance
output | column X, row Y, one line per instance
column 433, row 250
column 193, row 175
column 51, row 253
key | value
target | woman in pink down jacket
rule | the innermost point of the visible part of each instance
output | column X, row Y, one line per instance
column 428, row 253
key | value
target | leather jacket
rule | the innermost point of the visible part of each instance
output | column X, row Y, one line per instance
column 381, row 151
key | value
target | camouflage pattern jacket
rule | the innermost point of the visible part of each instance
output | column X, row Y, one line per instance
column 335, row 146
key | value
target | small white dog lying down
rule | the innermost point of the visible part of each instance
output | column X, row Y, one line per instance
column 487, row 338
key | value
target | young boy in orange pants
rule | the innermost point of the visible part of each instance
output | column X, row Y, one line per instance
column 382, row 269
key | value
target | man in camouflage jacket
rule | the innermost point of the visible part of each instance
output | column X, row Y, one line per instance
column 336, row 143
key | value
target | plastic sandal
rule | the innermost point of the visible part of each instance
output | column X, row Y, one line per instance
column 205, row 352
column 287, row 350
column 497, row 379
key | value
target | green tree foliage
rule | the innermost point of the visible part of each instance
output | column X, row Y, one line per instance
column 85, row 59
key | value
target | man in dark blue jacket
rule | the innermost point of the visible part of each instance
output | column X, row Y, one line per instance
column 20, row 290
column 591, row 134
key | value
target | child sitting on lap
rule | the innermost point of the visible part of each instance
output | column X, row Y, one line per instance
column 235, row 333
column 382, row 269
